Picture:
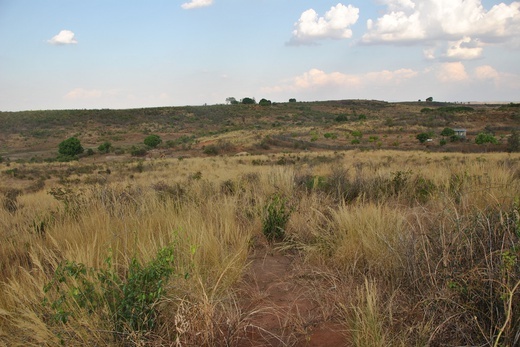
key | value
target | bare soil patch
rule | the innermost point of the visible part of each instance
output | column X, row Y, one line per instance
column 286, row 310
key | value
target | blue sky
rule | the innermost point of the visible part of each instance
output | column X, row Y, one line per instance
column 61, row 54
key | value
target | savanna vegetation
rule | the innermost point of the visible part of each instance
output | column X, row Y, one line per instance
column 298, row 242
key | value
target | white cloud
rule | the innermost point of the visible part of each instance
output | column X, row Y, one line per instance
column 64, row 37
column 452, row 72
column 416, row 21
column 334, row 25
column 486, row 72
column 464, row 49
column 319, row 79
column 196, row 4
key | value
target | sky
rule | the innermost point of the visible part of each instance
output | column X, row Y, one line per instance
column 77, row 54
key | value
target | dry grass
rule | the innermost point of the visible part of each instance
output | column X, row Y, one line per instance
column 428, row 244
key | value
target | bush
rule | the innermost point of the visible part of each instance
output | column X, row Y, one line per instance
column 128, row 299
column 70, row 147
column 422, row 137
column 448, row 132
column 105, row 147
column 152, row 140
column 276, row 216
column 341, row 118
column 137, row 152
column 483, row 138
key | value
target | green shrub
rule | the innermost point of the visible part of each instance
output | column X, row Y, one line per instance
column 137, row 152
column 422, row 137
column 331, row 136
column 513, row 142
column 276, row 216
column 152, row 140
column 341, row 118
column 70, row 147
column 483, row 138
column 126, row 298
column 105, row 147
column 448, row 132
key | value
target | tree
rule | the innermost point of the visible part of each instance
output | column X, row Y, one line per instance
column 447, row 132
column 513, row 142
column 152, row 140
column 70, row 147
column 231, row 100
column 292, row 100
column 483, row 138
column 248, row 101
column 265, row 102
column 429, row 99
column 422, row 137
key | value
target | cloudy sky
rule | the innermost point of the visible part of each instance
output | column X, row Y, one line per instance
column 59, row 54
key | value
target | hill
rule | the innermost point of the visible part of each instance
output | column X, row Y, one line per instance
column 189, row 130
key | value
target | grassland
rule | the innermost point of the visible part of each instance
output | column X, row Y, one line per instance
column 283, row 246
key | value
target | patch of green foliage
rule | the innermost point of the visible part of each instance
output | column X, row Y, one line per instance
column 152, row 140
column 126, row 299
column 276, row 216
column 70, row 147
column 483, row 138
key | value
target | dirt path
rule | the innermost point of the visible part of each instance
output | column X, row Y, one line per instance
column 286, row 309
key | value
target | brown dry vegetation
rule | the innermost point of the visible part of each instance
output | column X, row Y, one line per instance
column 290, row 244
column 382, row 248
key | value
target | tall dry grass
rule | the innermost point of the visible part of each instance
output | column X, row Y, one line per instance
column 428, row 243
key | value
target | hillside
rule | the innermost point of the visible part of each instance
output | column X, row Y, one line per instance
column 187, row 131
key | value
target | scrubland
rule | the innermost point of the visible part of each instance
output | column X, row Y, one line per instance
column 395, row 249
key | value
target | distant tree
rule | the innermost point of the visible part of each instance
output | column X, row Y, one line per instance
column 422, row 137
column 292, row 100
column 105, row 147
column 152, row 140
column 70, row 147
column 483, row 138
column 513, row 142
column 248, row 101
column 265, row 102
column 429, row 99
column 231, row 100
column 447, row 132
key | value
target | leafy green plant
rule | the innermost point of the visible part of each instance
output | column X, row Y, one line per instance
column 152, row 140
column 127, row 299
column 276, row 216
column 422, row 137
column 70, row 147
column 105, row 147
column 483, row 138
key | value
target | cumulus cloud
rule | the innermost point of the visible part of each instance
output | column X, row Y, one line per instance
column 196, row 4
column 486, row 72
column 460, row 23
column 319, row 79
column 64, row 37
column 464, row 49
column 334, row 25
column 452, row 72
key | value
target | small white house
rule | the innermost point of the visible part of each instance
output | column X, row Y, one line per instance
column 460, row 132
